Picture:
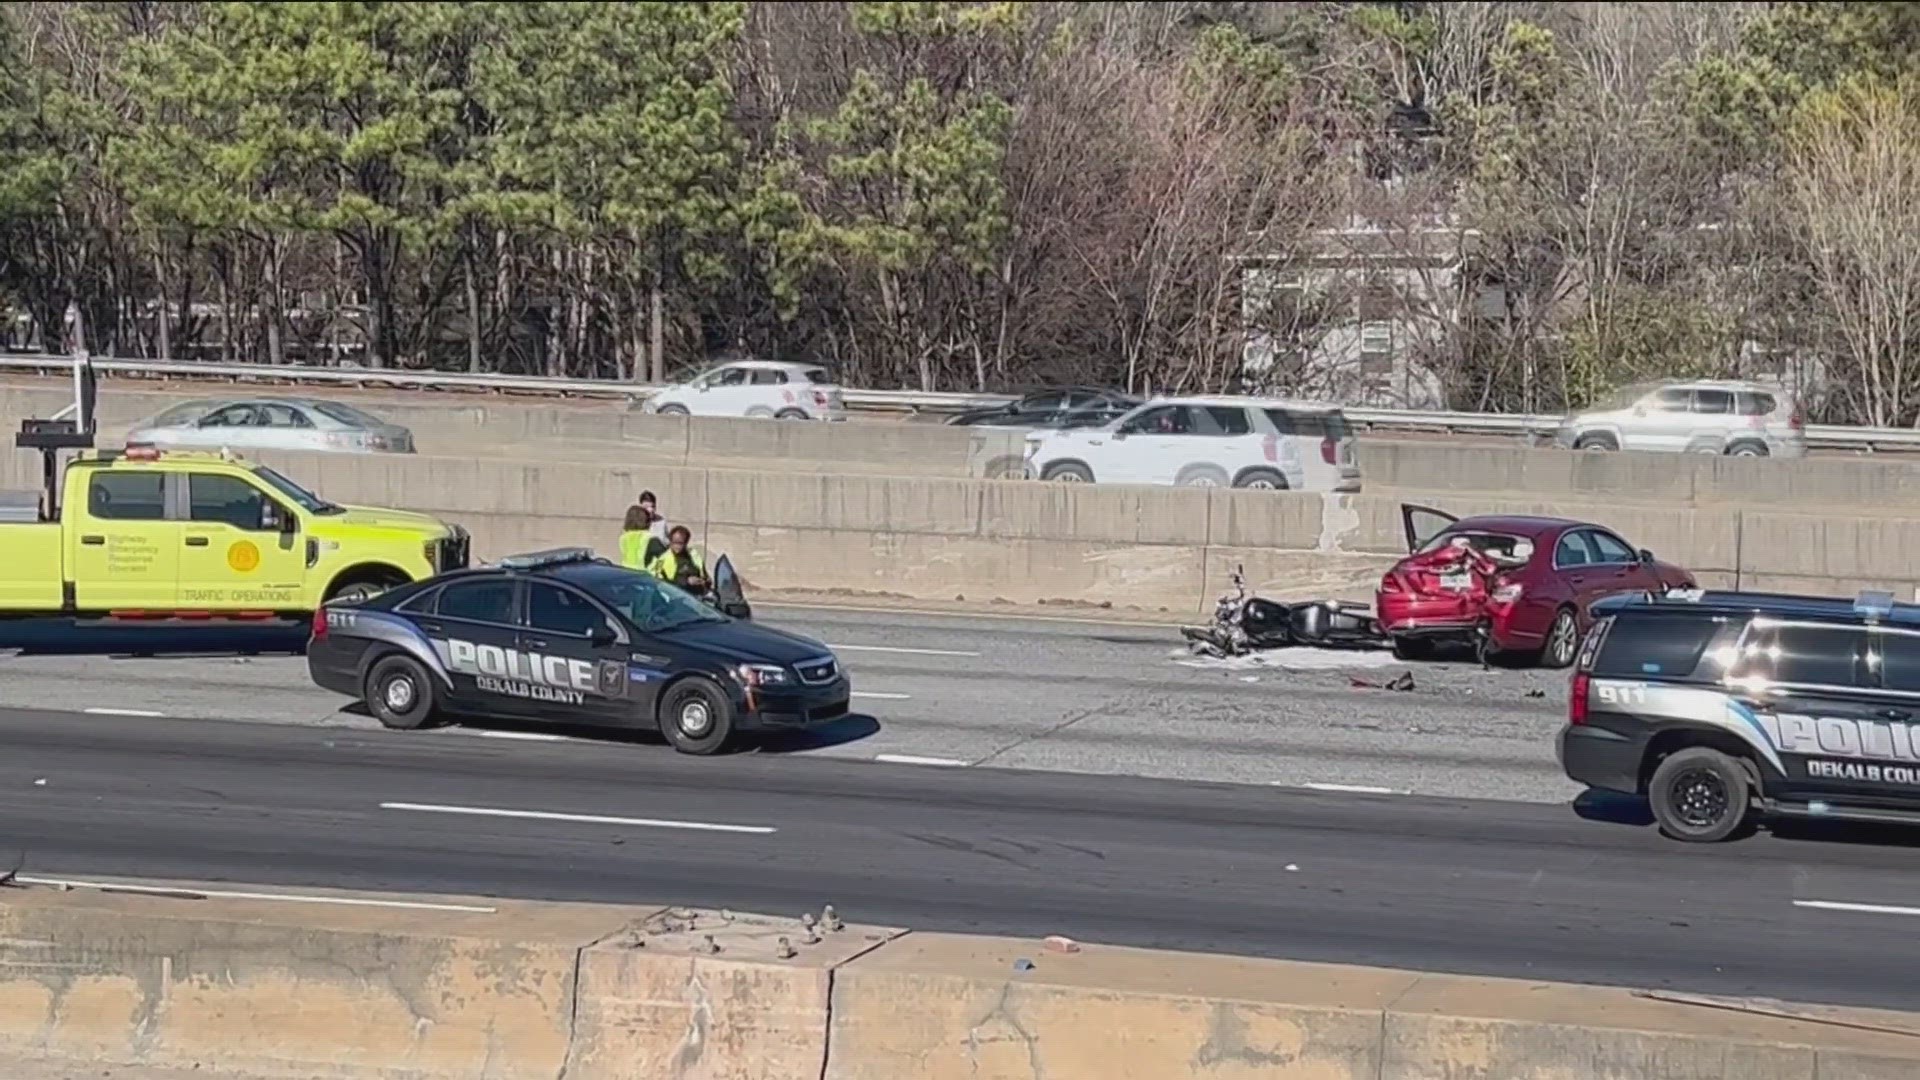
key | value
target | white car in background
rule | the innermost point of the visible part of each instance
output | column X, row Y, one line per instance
column 758, row 388
column 1703, row 416
column 1206, row 442
column 271, row 423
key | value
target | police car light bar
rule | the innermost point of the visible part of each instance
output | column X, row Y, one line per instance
column 535, row 560
column 1874, row 602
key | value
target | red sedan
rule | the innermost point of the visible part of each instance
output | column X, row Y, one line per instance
column 1525, row 583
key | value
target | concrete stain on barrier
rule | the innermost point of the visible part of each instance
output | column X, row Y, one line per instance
column 1228, row 1043
column 1338, row 520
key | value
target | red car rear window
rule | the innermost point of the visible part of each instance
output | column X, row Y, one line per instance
column 1499, row 545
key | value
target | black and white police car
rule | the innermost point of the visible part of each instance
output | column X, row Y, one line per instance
column 565, row 637
column 1723, row 707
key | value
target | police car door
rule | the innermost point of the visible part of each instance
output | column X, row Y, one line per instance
column 1809, row 687
column 575, row 655
column 476, row 634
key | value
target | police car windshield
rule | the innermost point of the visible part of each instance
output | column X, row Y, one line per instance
column 646, row 601
column 311, row 503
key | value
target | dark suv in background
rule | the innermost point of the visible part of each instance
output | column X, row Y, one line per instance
column 1722, row 707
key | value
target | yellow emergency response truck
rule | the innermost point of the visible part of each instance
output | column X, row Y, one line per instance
column 145, row 534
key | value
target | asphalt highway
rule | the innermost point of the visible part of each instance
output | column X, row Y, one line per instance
column 1453, row 885
column 1050, row 695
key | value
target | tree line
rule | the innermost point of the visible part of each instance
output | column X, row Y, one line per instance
column 1518, row 205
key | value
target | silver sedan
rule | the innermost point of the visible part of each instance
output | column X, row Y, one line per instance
column 271, row 423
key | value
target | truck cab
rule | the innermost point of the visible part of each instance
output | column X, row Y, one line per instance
column 144, row 533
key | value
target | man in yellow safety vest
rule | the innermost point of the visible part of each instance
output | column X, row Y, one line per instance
column 681, row 564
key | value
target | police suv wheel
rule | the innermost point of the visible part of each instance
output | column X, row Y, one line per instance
column 1699, row 795
column 399, row 693
column 1563, row 640
column 696, row 717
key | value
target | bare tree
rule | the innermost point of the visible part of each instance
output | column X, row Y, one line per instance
column 1854, row 177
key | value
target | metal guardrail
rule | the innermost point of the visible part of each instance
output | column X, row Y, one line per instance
column 1467, row 423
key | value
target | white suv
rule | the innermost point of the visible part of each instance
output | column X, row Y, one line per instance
column 1206, row 442
column 1705, row 416
column 759, row 388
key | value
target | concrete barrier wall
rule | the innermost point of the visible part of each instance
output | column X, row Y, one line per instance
column 266, row 989
column 1140, row 548
column 1858, row 483
column 608, row 431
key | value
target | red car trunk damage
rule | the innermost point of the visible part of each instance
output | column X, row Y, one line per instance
column 1504, row 576
column 1449, row 587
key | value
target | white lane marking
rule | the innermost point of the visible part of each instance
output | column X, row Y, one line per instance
column 911, row 759
column 588, row 819
column 523, row 736
column 291, row 898
column 1350, row 789
column 1866, row 909
column 122, row 712
column 877, row 696
column 900, row 650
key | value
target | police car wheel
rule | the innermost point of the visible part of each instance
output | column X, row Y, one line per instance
column 1700, row 795
column 399, row 693
column 1563, row 640
column 696, row 718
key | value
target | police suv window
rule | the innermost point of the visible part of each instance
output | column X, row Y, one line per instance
column 1900, row 661
column 488, row 600
column 1806, row 655
column 127, row 496
column 1659, row 645
column 223, row 498
column 557, row 611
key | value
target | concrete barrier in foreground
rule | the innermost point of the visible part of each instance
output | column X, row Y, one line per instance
column 358, row 987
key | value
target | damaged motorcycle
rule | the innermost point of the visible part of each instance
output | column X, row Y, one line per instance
column 1244, row 623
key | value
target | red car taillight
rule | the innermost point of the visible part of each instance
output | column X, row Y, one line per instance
column 1577, row 699
column 319, row 624
column 1389, row 583
column 1329, row 451
column 820, row 398
column 1796, row 421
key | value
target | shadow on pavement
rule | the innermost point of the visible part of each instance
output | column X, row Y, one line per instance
column 1613, row 808
column 847, row 729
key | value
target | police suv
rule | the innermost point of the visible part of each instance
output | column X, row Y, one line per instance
column 563, row 636
column 1720, row 707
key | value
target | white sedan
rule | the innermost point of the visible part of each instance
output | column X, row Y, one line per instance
column 271, row 423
